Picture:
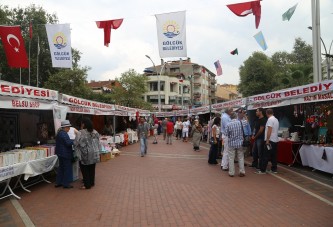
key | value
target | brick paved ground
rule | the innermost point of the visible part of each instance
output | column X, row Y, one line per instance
column 174, row 186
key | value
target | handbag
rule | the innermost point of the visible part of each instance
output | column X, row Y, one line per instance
column 246, row 142
column 212, row 141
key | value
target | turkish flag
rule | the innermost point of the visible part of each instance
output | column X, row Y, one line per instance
column 14, row 46
column 107, row 26
column 245, row 8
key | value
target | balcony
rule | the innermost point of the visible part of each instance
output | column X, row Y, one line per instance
column 196, row 84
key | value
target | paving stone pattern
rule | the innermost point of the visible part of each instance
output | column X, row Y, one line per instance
column 174, row 186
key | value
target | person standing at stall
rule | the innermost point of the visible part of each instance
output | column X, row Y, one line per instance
column 258, row 138
column 271, row 142
column 178, row 126
column 224, row 122
column 64, row 152
column 142, row 131
column 87, row 147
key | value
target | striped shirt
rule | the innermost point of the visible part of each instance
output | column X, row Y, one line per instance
column 234, row 133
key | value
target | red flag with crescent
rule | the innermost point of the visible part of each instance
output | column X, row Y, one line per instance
column 245, row 8
column 13, row 43
column 107, row 26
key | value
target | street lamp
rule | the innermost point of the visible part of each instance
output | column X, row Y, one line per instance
column 158, row 84
column 327, row 55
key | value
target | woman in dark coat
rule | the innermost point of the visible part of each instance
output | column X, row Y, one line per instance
column 64, row 152
column 215, row 139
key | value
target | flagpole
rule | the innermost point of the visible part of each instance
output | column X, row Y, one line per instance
column 29, row 61
column 37, row 59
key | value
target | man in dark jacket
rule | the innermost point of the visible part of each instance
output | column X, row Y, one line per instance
column 64, row 152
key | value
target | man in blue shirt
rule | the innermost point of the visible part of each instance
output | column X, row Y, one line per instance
column 225, row 119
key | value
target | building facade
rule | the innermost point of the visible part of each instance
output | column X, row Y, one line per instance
column 183, row 85
column 103, row 86
column 226, row 92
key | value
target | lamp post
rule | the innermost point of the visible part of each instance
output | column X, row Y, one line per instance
column 158, row 84
column 327, row 55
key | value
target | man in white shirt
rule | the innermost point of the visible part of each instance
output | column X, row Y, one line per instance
column 271, row 142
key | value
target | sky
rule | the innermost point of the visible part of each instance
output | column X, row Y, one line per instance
column 212, row 32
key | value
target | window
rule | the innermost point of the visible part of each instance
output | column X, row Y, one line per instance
column 174, row 70
column 153, row 86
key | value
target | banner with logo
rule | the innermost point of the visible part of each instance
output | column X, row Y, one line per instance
column 59, row 37
column 171, row 34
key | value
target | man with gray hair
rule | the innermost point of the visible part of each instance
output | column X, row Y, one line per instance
column 234, row 132
column 225, row 119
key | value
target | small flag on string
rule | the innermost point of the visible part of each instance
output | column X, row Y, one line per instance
column 289, row 13
column 245, row 8
column 107, row 26
column 261, row 40
column 235, row 51
column 218, row 68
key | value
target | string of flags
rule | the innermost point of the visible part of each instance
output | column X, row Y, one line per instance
column 171, row 29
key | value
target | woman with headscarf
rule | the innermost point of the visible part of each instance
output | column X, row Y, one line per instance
column 87, row 147
column 214, row 141
column 196, row 135
column 64, row 152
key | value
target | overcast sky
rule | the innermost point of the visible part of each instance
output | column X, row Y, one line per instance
column 212, row 31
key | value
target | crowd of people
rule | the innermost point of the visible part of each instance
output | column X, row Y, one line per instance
column 230, row 137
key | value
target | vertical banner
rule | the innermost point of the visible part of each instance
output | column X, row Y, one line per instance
column 59, row 37
column 59, row 114
column 171, row 34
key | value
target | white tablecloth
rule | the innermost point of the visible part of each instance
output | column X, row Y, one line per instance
column 311, row 155
column 29, row 169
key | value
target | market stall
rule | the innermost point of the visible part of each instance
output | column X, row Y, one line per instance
column 305, row 114
column 26, row 120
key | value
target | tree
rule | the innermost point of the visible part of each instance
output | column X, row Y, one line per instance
column 256, row 75
column 133, row 86
column 293, row 69
column 70, row 82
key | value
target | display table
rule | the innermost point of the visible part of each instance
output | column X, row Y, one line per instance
column 287, row 151
column 311, row 155
column 26, row 169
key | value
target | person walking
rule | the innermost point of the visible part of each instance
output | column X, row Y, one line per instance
column 196, row 135
column 64, row 151
column 271, row 142
column 142, row 131
column 169, row 131
column 185, row 129
column 258, row 137
column 234, row 132
column 178, row 127
column 224, row 122
column 214, row 141
column 87, row 147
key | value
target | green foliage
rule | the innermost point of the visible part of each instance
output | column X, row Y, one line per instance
column 261, row 74
column 256, row 75
column 133, row 87
column 70, row 82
